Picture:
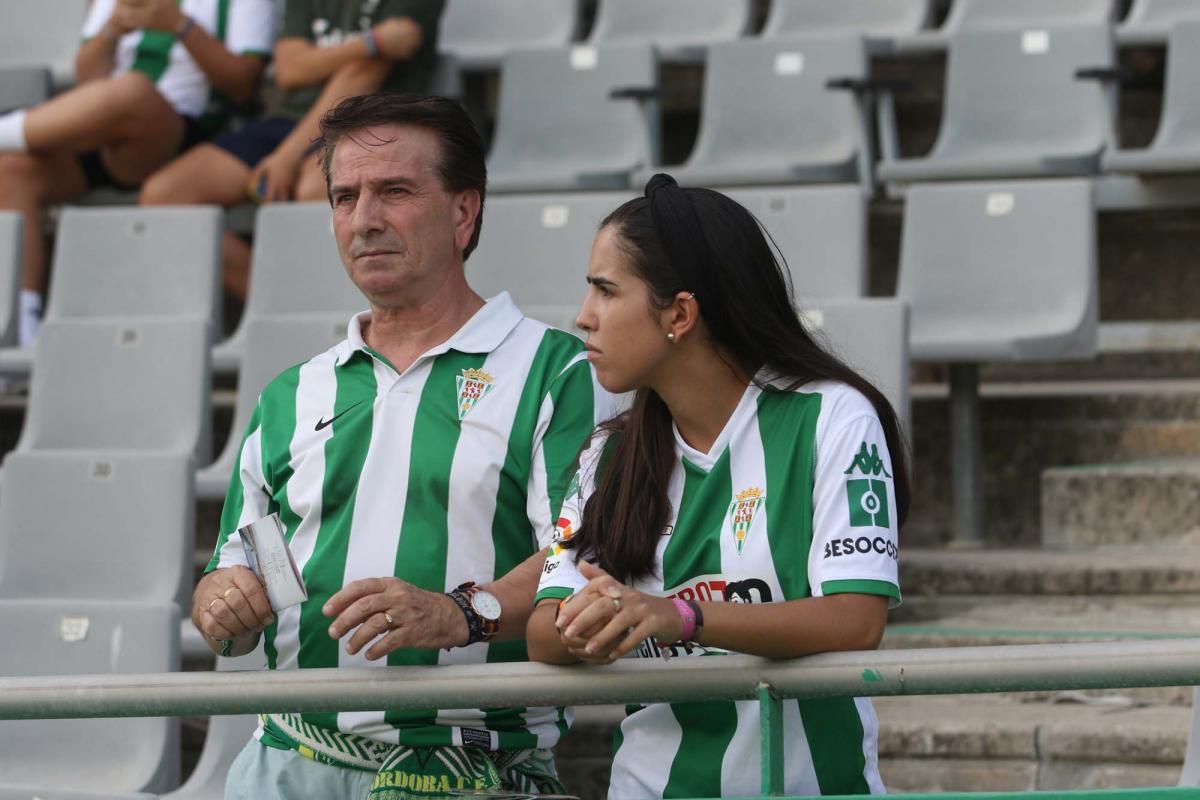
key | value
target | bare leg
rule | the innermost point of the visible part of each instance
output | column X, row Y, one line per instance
column 236, row 255
column 27, row 184
column 310, row 186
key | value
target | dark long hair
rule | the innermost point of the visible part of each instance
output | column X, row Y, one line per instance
column 700, row 241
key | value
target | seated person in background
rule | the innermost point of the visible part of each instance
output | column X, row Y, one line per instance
column 154, row 78
column 329, row 50
column 749, row 502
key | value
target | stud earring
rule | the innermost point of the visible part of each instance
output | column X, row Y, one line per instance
column 671, row 337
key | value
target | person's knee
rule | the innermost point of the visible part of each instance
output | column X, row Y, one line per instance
column 163, row 189
column 131, row 90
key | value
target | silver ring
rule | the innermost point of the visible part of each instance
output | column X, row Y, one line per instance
column 391, row 623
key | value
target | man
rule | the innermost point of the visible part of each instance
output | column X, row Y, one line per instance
column 154, row 78
column 329, row 49
column 430, row 449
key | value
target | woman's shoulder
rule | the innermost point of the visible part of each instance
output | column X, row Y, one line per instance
column 838, row 401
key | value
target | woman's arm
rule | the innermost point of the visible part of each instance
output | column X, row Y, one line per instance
column 772, row 630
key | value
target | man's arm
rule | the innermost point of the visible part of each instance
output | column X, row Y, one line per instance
column 299, row 62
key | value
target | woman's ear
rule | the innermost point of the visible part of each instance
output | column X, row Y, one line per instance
column 682, row 316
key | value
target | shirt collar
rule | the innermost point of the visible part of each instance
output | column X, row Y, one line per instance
column 482, row 333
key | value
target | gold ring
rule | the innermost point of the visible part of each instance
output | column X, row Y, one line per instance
column 212, row 603
column 225, row 594
column 391, row 623
column 617, row 604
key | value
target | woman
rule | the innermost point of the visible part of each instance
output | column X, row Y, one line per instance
column 750, row 500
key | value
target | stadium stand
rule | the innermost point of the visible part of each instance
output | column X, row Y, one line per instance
column 1190, row 775
column 108, row 758
column 872, row 336
column 575, row 118
column 296, row 270
column 480, row 32
column 147, row 387
column 971, row 15
column 1176, row 145
column 44, row 34
column 132, row 263
column 271, row 344
column 21, row 87
column 1150, row 21
column 770, row 115
column 10, row 274
column 876, row 19
column 680, row 30
column 122, row 504
column 1015, row 108
column 996, row 272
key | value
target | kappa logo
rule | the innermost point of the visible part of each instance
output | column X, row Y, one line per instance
column 867, row 497
column 473, row 386
column 742, row 511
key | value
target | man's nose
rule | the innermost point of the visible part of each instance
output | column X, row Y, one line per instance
column 367, row 217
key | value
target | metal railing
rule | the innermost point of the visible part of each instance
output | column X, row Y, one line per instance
column 959, row 670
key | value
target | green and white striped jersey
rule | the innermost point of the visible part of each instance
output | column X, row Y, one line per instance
column 450, row 472
column 795, row 499
column 247, row 27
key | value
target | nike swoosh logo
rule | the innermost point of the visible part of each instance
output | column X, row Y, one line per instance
column 323, row 423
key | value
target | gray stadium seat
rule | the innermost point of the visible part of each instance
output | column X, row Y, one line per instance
column 768, row 116
column 1150, row 21
column 1190, row 776
column 480, row 32
column 296, row 270
column 10, row 274
column 271, row 345
column 226, row 737
column 44, row 34
column 871, row 335
column 1176, row 145
column 92, row 757
column 1015, row 108
column 971, row 15
column 138, row 385
column 22, row 87
column 126, row 263
column 678, row 29
column 872, row 18
column 536, row 247
column 996, row 272
column 124, row 533
column 558, row 128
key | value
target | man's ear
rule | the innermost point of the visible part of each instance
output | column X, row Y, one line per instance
column 466, row 210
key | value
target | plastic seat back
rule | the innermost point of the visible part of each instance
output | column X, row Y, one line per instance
column 869, row 17
column 44, row 34
column 671, row 24
column 126, row 263
column 135, row 385
column 1000, row 271
column 77, row 637
column 125, row 533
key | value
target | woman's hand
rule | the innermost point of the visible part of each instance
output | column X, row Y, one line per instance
column 606, row 620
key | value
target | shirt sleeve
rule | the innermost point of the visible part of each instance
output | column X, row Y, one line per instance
column 425, row 13
column 251, row 28
column 246, row 500
column 560, row 576
column 855, row 544
column 574, row 405
column 98, row 14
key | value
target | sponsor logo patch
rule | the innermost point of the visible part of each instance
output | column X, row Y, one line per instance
column 863, row 545
column 867, row 496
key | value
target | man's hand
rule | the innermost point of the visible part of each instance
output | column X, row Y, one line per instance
column 428, row 620
column 158, row 15
column 274, row 179
column 230, row 603
column 399, row 38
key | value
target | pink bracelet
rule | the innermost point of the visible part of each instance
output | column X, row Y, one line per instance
column 689, row 619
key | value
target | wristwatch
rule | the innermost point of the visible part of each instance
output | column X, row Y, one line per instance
column 482, row 610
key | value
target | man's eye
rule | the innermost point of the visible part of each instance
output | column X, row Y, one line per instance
column 342, row 199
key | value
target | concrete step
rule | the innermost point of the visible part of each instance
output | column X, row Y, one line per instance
column 1139, row 570
column 1064, row 617
column 1152, row 501
column 1029, row 428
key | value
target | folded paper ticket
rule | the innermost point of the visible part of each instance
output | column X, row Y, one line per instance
column 271, row 560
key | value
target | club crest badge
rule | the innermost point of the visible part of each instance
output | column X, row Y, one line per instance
column 473, row 385
column 742, row 512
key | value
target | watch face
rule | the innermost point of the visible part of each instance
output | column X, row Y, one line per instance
column 486, row 605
